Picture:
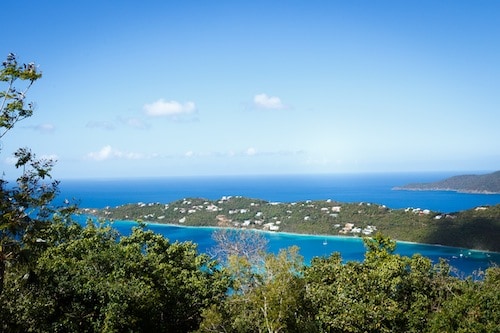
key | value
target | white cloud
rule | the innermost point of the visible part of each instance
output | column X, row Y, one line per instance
column 251, row 151
column 168, row 108
column 107, row 152
column 11, row 160
column 103, row 154
column 268, row 102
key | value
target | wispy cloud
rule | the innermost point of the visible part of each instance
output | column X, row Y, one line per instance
column 45, row 128
column 133, row 122
column 263, row 101
column 248, row 152
column 106, row 125
column 11, row 160
column 162, row 108
column 107, row 152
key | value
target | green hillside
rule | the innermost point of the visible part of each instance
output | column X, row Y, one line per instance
column 487, row 183
column 477, row 228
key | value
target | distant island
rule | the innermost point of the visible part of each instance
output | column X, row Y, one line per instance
column 477, row 228
column 485, row 184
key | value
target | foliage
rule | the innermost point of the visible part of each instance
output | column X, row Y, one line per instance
column 474, row 308
column 487, row 183
column 384, row 293
column 93, row 281
column 473, row 228
column 13, row 107
column 59, row 276
column 25, row 207
column 266, row 297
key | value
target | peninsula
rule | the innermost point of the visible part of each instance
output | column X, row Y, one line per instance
column 486, row 184
column 477, row 228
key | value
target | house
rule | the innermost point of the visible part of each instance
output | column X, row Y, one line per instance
column 347, row 228
column 212, row 208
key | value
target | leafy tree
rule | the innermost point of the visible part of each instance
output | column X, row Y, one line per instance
column 13, row 107
column 25, row 207
column 385, row 293
column 96, row 281
column 473, row 308
column 268, row 297
column 59, row 276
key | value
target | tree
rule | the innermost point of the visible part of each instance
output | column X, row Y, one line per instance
column 59, row 276
column 90, row 279
column 13, row 107
column 229, row 242
column 25, row 207
column 384, row 293
column 265, row 297
column 473, row 308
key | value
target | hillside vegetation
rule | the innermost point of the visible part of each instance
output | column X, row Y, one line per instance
column 488, row 183
column 477, row 228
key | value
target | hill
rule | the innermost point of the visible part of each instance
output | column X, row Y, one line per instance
column 488, row 184
column 477, row 228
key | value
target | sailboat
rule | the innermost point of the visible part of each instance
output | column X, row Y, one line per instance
column 325, row 242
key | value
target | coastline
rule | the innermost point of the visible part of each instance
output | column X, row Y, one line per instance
column 438, row 189
column 374, row 188
column 319, row 236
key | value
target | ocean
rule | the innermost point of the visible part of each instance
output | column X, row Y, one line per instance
column 373, row 188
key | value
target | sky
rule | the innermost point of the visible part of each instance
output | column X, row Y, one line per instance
column 193, row 88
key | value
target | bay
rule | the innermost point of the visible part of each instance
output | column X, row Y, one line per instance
column 374, row 188
column 466, row 262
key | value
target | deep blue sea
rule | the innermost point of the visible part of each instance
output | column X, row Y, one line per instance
column 374, row 188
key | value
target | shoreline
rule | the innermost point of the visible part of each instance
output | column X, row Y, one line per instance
column 437, row 189
column 353, row 238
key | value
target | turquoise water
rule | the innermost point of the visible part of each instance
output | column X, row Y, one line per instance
column 350, row 248
column 375, row 188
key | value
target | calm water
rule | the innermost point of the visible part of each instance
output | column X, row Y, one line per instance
column 351, row 248
column 375, row 188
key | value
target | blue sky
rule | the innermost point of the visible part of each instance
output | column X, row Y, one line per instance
column 181, row 88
